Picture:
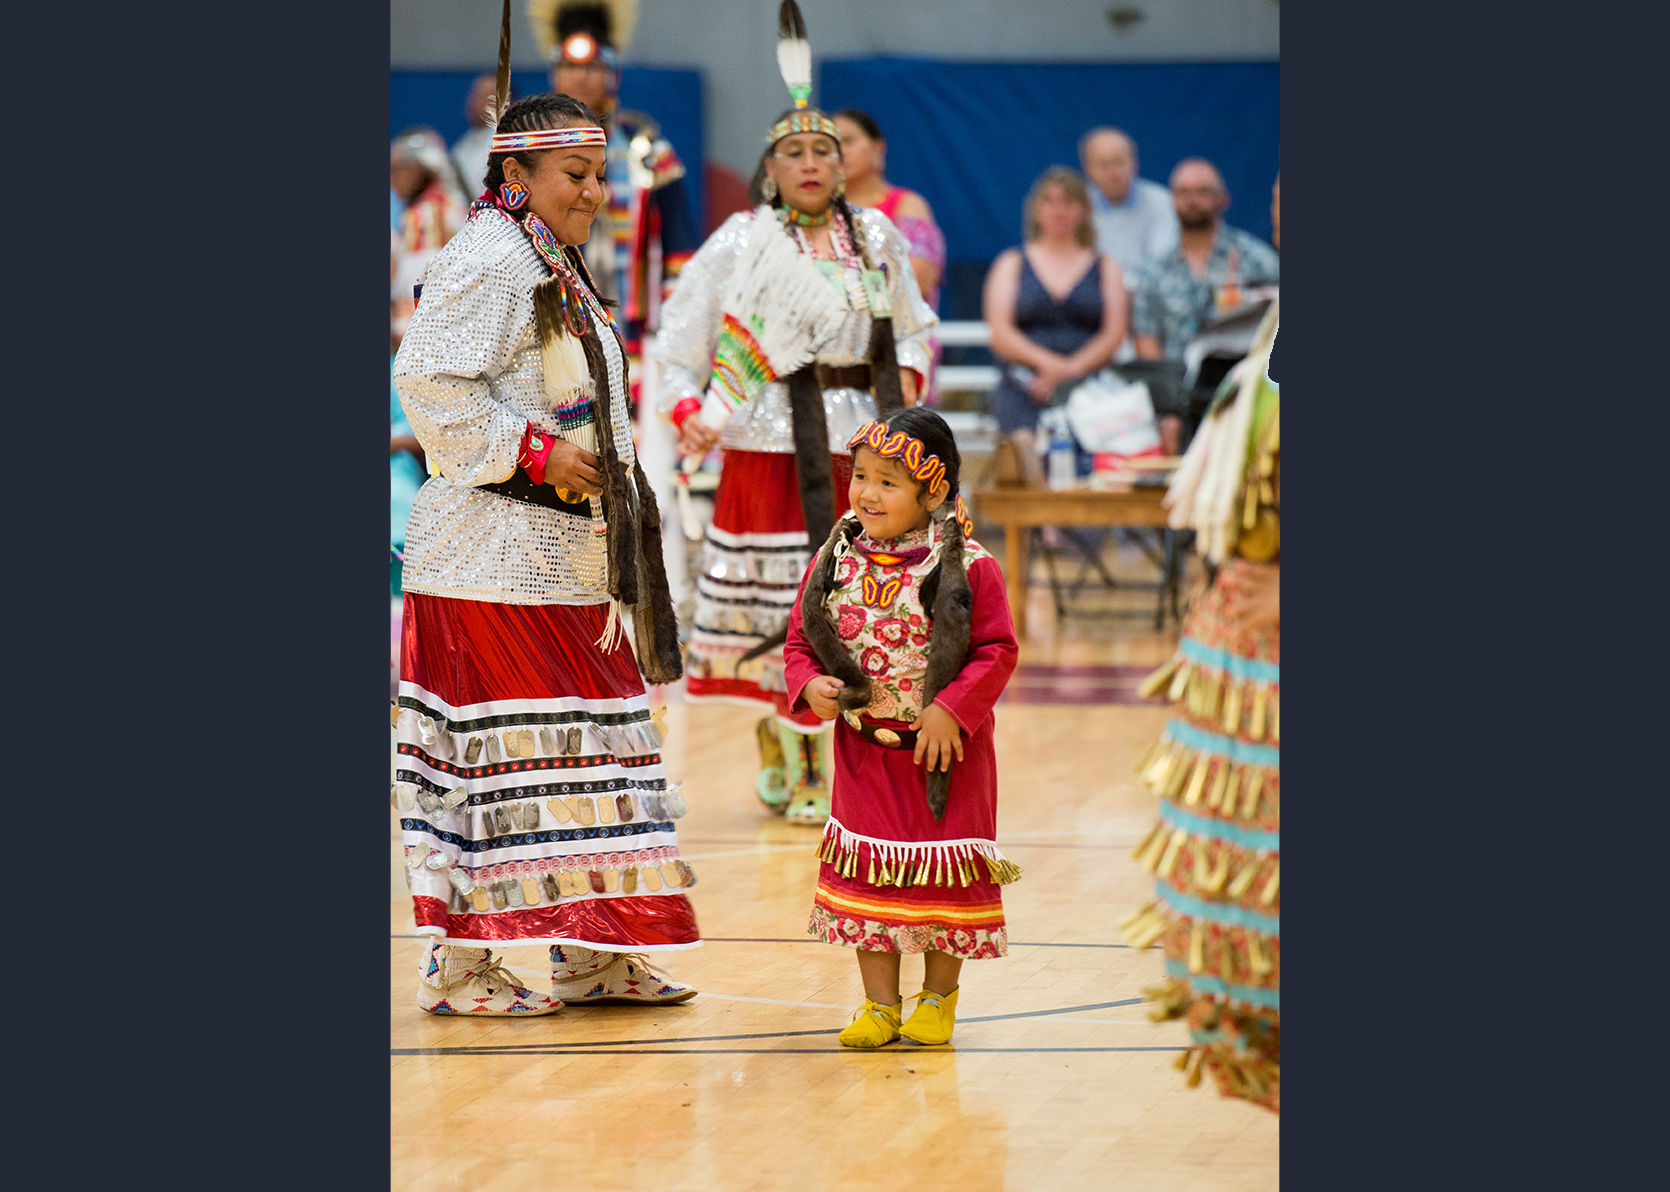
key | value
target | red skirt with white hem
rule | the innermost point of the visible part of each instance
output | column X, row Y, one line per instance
column 559, row 835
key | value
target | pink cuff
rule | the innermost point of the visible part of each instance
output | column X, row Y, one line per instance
column 536, row 449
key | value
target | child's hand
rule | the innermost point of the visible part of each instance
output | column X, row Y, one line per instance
column 820, row 693
column 937, row 738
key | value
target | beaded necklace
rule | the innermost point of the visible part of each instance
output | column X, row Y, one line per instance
column 575, row 295
column 839, row 242
column 801, row 219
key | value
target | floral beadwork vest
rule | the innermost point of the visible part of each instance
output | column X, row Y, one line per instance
column 876, row 607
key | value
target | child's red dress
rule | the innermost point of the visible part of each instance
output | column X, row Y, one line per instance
column 891, row 878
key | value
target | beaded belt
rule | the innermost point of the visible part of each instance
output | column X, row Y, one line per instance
column 520, row 488
column 888, row 738
column 853, row 376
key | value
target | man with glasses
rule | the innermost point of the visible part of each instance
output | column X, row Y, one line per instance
column 1214, row 269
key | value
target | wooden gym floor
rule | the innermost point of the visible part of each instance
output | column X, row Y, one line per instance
column 1055, row 1079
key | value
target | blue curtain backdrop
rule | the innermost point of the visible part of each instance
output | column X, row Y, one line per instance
column 672, row 97
column 972, row 137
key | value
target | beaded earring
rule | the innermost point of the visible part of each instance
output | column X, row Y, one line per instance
column 513, row 194
column 840, row 187
column 768, row 188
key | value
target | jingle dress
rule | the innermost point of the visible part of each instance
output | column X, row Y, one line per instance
column 1216, row 851
column 756, row 548
column 891, row 878
column 534, row 806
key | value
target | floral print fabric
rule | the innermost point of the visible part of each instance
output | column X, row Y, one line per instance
column 876, row 607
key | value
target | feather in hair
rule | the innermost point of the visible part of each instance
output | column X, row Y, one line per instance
column 794, row 53
column 501, row 92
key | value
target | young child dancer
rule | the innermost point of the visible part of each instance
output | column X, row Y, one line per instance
column 902, row 631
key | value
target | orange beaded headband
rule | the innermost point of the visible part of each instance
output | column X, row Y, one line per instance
column 898, row 445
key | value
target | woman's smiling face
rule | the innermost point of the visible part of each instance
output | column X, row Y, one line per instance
column 566, row 190
column 886, row 498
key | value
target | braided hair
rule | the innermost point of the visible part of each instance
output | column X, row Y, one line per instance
column 536, row 113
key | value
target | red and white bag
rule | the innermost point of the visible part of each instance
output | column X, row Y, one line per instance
column 1113, row 421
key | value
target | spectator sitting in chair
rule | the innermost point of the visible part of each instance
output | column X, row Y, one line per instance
column 1055, row 306
column 1208, row 274
column 1134, row 219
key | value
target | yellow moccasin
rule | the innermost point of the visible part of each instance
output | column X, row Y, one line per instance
column 933, row 1019
column 873, row 1025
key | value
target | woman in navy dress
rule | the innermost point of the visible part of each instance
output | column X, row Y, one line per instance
column 1056, row 307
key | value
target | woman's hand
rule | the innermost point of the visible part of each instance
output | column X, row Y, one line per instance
column 1257, row 591
column 820, row 694
column 907, row 382
column 696, row 437
column 573, row 468
column 937, row 738
column 1047, row 379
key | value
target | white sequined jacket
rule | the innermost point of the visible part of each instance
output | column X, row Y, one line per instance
column 470, row 377
column 691, row 319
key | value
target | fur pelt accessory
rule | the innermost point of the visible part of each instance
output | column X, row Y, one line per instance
column 950, row 606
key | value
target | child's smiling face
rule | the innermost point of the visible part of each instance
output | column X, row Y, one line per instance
column 886, row 498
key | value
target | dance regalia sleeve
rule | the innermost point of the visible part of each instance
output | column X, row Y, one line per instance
column 992, row 650
column 474, row 315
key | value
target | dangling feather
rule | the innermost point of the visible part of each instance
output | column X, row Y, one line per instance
column 501, row 93
column 794, row 53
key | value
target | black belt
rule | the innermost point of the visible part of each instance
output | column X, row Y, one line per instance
column 851, row 376
column 895, row 738
column 520, row 488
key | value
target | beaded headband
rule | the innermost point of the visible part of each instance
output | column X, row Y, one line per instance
column 924, row 467
column 548, row 138
column 807, row 121
column 897, row 444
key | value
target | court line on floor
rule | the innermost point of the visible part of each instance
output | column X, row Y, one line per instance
column 772, row 1001
column 759, row 850
column 588, row 1045
column 558, row 1050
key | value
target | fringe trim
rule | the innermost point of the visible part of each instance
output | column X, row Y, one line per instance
column 914, row 863
column 1247, row 709
column 1211, row 869
column 1239, row 1045
column 614, row 629
column 1234, row 955
column 1192, row 777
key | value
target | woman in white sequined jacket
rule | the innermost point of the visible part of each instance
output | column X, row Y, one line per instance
column 791, row 325
column 533, row 801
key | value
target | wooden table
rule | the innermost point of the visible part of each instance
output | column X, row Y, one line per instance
column 1017, row 510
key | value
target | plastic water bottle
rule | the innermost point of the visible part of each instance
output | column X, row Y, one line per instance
column 1063, row 469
